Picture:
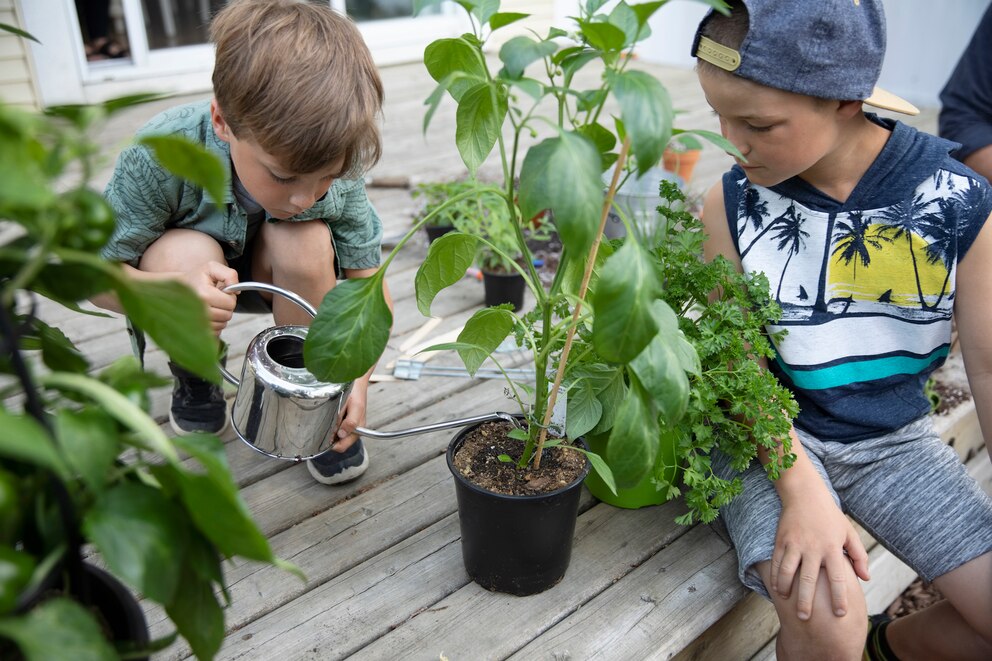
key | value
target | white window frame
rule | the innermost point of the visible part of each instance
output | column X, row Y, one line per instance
column 64, row 75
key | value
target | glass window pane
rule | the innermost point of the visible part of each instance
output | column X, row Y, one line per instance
column 377, row 10
column 171, row 23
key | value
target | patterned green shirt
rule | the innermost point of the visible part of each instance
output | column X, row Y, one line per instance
column 148, row 200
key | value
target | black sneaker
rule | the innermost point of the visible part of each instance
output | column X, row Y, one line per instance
column 339, row 467
column 197, row 405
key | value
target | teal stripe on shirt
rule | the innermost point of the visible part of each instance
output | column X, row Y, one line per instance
column 860, row 371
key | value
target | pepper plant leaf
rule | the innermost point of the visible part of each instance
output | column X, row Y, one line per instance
column 583, row 408
column 24, row 439
column 660, row 372
column 625, row 292
column 447, row 260
column 141, row 534
column 58, row 629
column 634, row 439
column 485, row 330
column 645, row 10
column 602, row 36
column 646, row 111
column 478, row 122
column 520, row 52
column 212, row 498
column 175, row 317
column 504, row 18
column 191, row 161
column 350, row 331
column 89, row 443
column 197, row 615
column 563, row 174
column 445, row 57
column 624, row 18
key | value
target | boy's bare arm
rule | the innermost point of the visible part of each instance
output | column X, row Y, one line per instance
column 974, row 323
column 812, row 531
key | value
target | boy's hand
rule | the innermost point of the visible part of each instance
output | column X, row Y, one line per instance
column 208, row 282
column 353, row 416
column 814, row 533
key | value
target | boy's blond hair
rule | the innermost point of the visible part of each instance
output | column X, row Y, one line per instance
column 298, row 80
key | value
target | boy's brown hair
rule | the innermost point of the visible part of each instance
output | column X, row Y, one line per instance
column 297, row 79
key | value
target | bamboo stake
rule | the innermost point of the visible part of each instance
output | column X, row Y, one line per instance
column 586, row 276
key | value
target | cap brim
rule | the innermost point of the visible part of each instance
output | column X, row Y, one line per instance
column 889, row 101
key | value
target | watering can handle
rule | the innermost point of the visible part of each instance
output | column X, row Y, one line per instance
column 460, row 422
column 272, row 289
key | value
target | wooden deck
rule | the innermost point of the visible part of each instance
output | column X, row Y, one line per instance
column 382, row 555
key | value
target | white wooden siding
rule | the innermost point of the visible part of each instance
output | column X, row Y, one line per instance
column 16, row 78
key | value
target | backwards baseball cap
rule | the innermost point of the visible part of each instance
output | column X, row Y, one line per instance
column 831, row 49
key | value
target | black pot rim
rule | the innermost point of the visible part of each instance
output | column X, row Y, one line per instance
column 456, row 442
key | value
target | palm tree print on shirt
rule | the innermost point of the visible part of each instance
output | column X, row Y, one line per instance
column 895, row 261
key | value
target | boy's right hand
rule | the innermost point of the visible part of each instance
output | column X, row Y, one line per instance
column 208, row 282
column 814, row 534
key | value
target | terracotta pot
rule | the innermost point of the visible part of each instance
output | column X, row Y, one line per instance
column 681, row 163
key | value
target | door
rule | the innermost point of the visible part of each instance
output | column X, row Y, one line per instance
column 162, row 45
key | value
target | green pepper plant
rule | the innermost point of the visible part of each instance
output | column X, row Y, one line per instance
column 82, row 463
column 534, row 95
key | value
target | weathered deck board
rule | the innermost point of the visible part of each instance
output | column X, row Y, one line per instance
column 382, row 556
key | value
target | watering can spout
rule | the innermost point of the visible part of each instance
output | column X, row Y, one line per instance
column 448, row 424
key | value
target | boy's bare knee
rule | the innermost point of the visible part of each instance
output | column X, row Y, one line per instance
column 824, row 635
column 180, row 250
column 299, row 250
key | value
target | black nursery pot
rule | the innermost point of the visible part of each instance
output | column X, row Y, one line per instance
column 437, row 231
column 504, row 288
column 97, row 589
column 520, row 545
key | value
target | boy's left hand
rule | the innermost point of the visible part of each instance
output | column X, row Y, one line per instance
column 353, row 416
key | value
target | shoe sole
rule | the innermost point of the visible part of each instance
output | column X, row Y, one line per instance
column 347, row 475
column 179, row 431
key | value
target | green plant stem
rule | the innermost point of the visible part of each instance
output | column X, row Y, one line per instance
column 590, row 262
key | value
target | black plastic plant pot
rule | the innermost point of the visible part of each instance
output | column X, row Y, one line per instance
column 519, row 545
column 100, row 592
column 504, row 288
column 435, row 232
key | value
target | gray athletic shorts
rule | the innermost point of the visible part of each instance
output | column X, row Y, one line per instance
column 908, row 489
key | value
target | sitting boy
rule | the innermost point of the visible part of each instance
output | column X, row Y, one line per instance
column 871, row 236
column 295, row 114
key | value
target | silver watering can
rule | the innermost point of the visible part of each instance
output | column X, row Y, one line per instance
column 282, row 410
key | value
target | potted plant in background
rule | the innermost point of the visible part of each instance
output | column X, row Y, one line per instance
column 83, row 467
column 478, row 212
column 681, row 155
column 432, row 195
column 601, row 299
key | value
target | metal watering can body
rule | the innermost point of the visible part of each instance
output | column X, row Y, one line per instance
column 284, row 411
column 281, row 409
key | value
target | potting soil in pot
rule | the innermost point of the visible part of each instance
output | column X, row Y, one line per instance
column 478, row 460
